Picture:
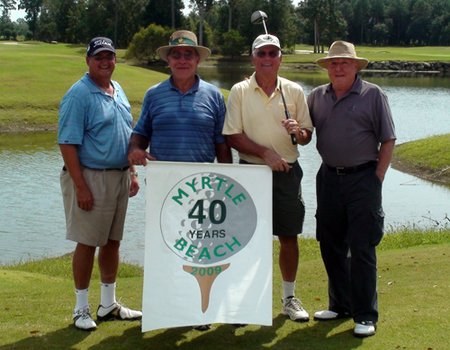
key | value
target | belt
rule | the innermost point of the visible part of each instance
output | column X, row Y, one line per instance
column 340, row 170
column 241, row 161
column 117, row 169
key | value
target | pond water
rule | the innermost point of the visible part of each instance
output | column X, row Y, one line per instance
column 32, row 222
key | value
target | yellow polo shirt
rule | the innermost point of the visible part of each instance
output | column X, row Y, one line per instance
column 251, row 112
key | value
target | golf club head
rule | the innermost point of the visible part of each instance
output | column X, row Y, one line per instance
column 258, row 17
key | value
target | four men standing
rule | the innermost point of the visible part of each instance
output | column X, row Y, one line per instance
column 183, row 119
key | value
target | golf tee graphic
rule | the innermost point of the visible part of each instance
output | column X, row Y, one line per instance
column 208, row 245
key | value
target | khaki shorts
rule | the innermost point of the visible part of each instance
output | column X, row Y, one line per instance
column 106, row 220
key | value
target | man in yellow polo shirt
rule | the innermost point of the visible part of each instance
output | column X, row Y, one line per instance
column 256, row 125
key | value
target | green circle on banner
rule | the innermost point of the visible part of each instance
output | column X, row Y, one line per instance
column 207, row 218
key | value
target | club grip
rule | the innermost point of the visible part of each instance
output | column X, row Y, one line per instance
column 294, row 139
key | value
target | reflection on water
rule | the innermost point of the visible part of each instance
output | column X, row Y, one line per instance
column 32, row 217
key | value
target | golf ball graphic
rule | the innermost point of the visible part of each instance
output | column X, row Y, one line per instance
column 207, row 218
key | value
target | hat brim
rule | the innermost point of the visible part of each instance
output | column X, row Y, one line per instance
column 202, row 51
column 323, row 62
column 110, row 49
column 266, row 44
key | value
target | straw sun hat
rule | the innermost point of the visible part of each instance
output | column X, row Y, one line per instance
column 183, row 38
column 342, row 49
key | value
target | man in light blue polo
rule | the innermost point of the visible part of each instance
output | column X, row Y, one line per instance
column 96, row 180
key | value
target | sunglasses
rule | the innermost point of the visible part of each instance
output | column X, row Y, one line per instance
column 188, row 55
column 272, row 53
column 107, row 57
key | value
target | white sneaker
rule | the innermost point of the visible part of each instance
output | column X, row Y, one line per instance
column 365, row 329
column 328, row 315
column 117, row 311
column 83, row 320
column 325, row 315
column 293, row 308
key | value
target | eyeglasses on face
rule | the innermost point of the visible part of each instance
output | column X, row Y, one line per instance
column 107, row 57
column 271, row 53
column 188, row 55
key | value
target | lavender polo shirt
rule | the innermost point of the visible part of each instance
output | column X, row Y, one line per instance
column 351, row 129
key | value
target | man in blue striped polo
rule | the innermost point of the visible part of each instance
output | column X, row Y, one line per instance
column 182, row 117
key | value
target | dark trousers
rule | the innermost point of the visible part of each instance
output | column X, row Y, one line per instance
column 349, row 227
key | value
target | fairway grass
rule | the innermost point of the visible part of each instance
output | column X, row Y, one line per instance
column 35, row 76
column 413, row 285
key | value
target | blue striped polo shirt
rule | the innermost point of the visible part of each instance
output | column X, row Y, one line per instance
column 182, row 127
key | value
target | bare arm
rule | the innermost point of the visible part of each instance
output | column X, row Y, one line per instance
column 243, row 144
column 384, row 158
column 84, row 196
column 137, row 154
column 223, row 152
column 134, row 187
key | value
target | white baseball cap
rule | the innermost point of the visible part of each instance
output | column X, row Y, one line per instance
column 265, row 40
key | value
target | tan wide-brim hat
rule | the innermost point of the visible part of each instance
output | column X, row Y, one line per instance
column 342, row 49
column 183, row 38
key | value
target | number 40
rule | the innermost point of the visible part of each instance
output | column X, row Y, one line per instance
column 197, row 212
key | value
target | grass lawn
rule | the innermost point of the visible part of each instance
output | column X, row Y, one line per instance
column 382, row 53
column 35, row 76
column 427, row 158
column 413, row 270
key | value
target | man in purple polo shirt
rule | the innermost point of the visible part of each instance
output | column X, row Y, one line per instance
column 355, row 138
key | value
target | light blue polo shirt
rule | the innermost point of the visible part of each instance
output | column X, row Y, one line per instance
column 182, row 127
column 98, row 124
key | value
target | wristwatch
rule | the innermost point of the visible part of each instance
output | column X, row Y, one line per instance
column 134, row 173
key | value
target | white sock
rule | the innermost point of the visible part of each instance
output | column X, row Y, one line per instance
column 82, row 298
column 288, row 289
column 108, row 291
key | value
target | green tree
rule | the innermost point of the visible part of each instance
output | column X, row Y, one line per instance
column 323, row 21
column 77, row 29
column 32, row 9
column 7, row 5
column 157, row 12
column 361, row 17
column 398, row 13
column 379, row 35
column 20, row 27
column 419, row 30
column 144, row 43
column 233, row 44
column 203, row 7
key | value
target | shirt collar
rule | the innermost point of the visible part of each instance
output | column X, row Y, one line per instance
column 254, row 84
column 192, row 90
column 93, row 86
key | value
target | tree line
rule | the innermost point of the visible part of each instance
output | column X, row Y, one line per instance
column 225, row 26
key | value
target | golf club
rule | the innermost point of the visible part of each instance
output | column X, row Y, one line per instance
column 258, row 17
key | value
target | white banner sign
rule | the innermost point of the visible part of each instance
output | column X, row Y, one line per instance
column 208, row 245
